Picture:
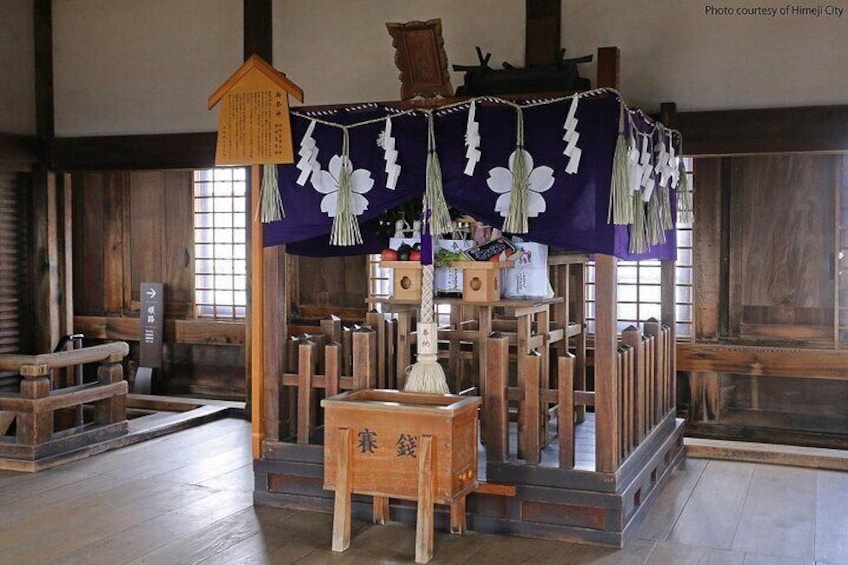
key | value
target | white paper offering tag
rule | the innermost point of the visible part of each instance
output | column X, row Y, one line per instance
column 571, row 138
column 308, row 162
column 472, row 141
column 390, row 155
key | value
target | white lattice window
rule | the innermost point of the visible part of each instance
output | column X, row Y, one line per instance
column 220, row 242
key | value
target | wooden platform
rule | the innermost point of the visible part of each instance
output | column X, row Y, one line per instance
column 531, row 501
column 150, row 417
column 188, row 498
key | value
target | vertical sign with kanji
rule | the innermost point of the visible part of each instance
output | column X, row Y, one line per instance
column 152, row 323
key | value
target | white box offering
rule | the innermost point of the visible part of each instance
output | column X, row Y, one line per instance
column 528, row 277
column 448, row 280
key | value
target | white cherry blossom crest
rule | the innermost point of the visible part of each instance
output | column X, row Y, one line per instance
column 327, row 183
column 536, row 180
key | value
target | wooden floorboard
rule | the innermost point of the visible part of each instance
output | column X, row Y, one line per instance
column 188, row 498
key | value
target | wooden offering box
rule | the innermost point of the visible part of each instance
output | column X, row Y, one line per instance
column 387, row 427
column 387, row 443
column 406, row 279
column 481, row 280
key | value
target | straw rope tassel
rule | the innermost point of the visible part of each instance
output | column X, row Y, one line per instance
column 685, row 210
column 270, row 202
column 434, row 196
column 516, row 218
column 621, row 204
column 345, row 230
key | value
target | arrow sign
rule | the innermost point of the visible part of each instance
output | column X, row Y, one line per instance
column 152, row 323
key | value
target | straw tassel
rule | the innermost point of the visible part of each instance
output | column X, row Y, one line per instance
column 271, row 203
column 434, row 196
column 638, row 242
column 345, row 230
column 621, row 204
column 516, row 218
column 685, row 211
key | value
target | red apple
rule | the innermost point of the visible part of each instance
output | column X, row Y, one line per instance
column 389, row 254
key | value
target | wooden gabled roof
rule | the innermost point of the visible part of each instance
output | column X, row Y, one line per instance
column 257, row 63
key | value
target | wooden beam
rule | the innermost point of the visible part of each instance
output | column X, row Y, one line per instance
column 765, row 130
column 763, row 361
column 190, row 332
column 17, row 152
column 133, row 152
column 258, row 29
column 44, row 107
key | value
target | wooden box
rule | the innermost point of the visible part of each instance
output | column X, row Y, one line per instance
column 386, row 429
column 481, row 280
column 406, row 279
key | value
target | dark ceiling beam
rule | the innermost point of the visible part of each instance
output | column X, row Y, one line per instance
column 769, row 130
column 258, row 29
column 43, row 43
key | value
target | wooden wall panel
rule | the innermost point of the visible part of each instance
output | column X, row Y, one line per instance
column 783, row 241
column 706, row 268
column 178, row 254
column 88, row 221
column 330, row 285
column 146, row 230
column 115, row 185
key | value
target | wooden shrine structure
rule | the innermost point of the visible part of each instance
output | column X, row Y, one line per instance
column 556, row 460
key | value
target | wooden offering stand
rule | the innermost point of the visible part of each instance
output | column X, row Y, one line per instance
column 480, row 279
column 387, row 443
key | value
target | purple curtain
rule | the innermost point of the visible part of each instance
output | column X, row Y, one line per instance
column 576, row 205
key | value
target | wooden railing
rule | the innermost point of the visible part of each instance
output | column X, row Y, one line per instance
column 518, row 386
column 32, row 409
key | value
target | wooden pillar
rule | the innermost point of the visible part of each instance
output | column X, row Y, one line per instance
column 255, row 338
column 607, row 417
column 608, row 68
column 34, row 428
column 113, row 409
column 496, row 421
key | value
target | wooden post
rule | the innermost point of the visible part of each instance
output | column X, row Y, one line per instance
column 113, row 409
column 458, row 523
column 332, row 363
column 255, row 338
column 607, row 417
column 565, row 410
column 34, row 429
column 380, row 509
column 633, row 337
column 530, row 441
column 377, row 322
column 364, row 368
column 424, row 534
column 305, row 364
column 496, row 421
column 344, row 485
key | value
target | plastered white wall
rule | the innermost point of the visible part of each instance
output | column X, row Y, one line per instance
column 141, row 66
column 673, row 51
column 17, row 69
column 148, row 66
column 340, row 51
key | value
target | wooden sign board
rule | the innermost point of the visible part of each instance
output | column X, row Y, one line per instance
column 254, row 127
